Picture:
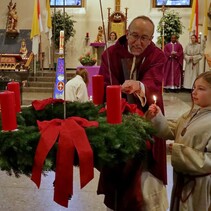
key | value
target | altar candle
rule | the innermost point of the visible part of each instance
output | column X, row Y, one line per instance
column 8, row 112
column 155, row 99
column 98, row 89
column 61, row 42
column 15, row 87
column 113, row 103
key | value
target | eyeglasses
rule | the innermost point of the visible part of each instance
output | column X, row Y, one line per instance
column 135, row 37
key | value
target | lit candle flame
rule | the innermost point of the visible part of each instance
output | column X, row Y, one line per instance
column 90, row 98
column 155, row 99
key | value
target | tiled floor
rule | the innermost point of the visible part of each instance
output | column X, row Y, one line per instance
column 21, row 194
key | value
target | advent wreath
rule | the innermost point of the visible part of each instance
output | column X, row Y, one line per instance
column 112, row 144
column 46, row 141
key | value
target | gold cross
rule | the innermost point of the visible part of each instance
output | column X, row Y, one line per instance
column 117, row 5
column 163, row 9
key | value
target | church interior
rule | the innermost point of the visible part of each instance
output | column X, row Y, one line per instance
column 92, row 21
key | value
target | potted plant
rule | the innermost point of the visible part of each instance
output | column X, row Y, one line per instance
column 62, row 21
column 172, row 25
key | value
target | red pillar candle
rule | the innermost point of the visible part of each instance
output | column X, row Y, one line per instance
column 113, row 103
column 15, row 87
column 8, row 112
column 98, row 89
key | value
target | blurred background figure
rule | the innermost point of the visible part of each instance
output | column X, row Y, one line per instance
column 193, row 54
column 112, row 39
column 76, row 88
column 173, row 68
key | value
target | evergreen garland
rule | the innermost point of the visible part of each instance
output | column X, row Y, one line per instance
column 111, row 143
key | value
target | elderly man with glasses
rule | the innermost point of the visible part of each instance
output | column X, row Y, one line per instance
column 136, row 64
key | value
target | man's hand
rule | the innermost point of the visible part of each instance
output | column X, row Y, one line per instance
column 130, row 86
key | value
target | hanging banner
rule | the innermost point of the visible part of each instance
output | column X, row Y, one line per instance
column 194, row 19
column 59, row 84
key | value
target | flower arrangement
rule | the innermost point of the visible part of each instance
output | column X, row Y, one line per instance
column 172, row 25
column 87, row 59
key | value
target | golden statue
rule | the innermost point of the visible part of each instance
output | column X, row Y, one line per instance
column 23, row 50
column 100, row 35
column 12, row 18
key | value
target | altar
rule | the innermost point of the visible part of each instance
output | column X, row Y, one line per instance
column 12, row 63
column 92, row 70
column 14, row 66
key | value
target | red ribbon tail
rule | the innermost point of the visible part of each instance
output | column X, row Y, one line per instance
column 64, row 166
column 86, row 161
column 48, row 137
column 84, row 150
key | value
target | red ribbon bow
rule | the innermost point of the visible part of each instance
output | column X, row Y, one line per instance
column 71, row 136
column 132, row 108
column 41, row 104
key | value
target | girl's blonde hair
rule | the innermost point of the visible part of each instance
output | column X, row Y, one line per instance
column 205, row 76
column 84, row 74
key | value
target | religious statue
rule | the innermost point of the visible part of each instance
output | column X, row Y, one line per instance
column 12, row 18
column 23, row 50
column 100, row 35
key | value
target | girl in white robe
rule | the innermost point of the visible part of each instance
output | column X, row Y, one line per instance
column 192, row 55
column 191, row 150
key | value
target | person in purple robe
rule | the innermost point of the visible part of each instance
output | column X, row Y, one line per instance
column 135, row 63
column 173, row 69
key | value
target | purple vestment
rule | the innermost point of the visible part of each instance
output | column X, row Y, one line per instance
column 173, row 69
column 149, row 70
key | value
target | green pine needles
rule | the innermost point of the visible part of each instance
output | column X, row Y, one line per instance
column 111, row 144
